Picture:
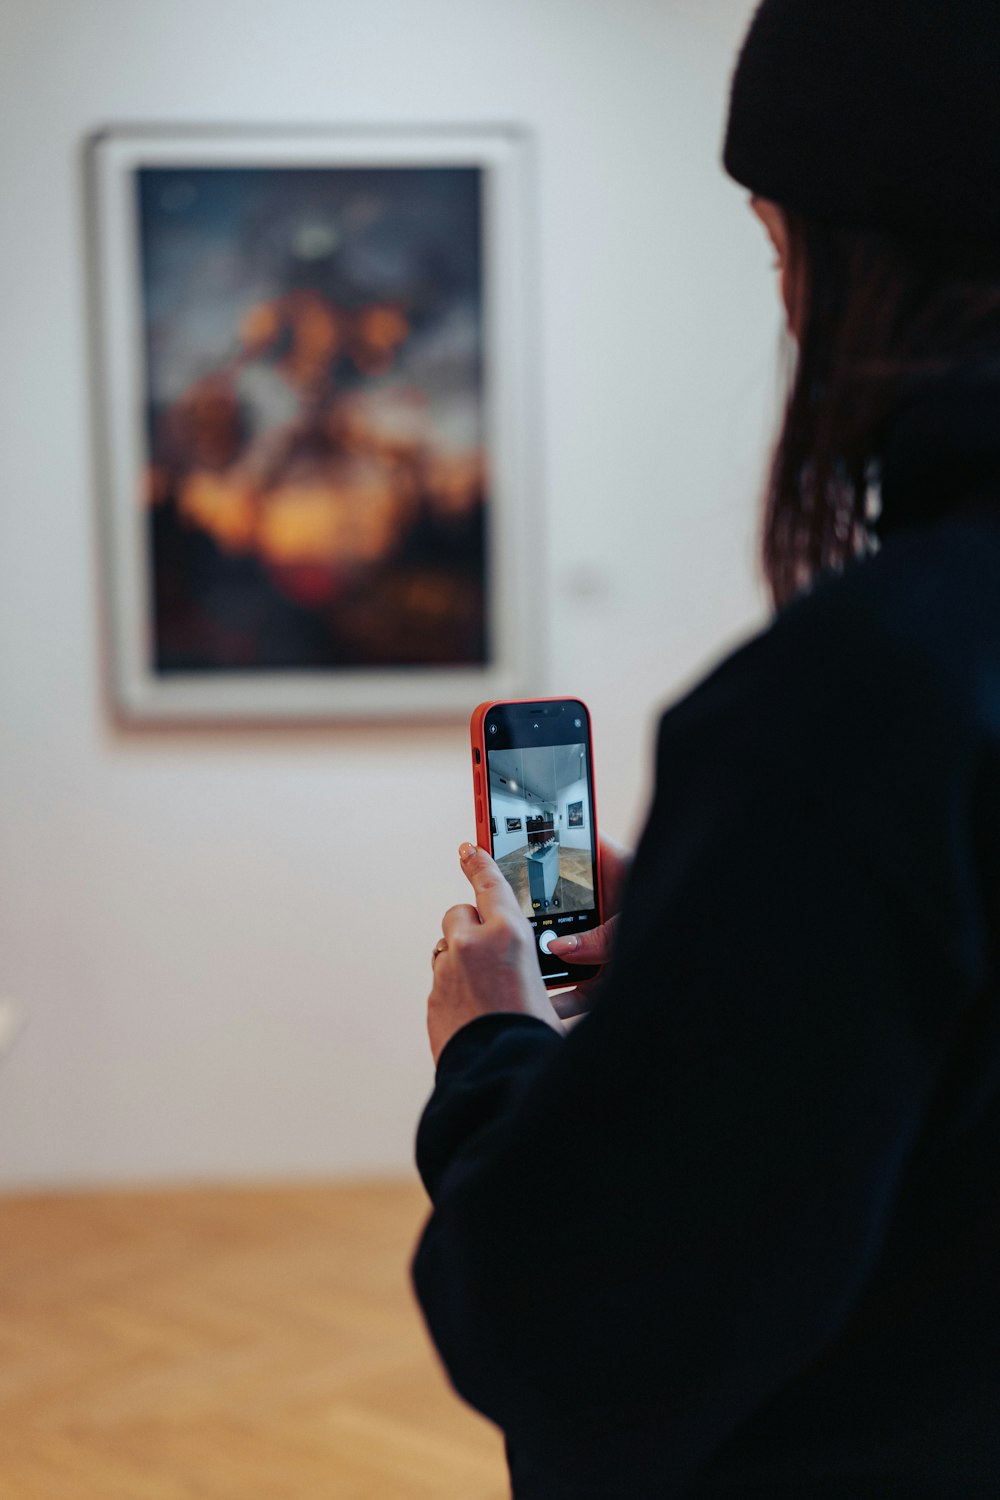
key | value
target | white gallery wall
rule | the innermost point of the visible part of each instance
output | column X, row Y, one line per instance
column 506, row 806
column 220, row 941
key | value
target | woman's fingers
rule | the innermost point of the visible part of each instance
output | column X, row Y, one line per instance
column 590, row 947
column 570, row 1003
column 459, row 918
column 497, row 910
column 494, row 894
column 616, row 860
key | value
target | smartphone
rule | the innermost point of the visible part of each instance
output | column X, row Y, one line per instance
column 536, row 813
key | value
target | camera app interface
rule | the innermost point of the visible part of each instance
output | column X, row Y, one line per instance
column 541, row 821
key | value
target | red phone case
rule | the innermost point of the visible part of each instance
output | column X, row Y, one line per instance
column 484, row 834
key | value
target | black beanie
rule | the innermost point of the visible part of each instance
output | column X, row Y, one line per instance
column 874, row 114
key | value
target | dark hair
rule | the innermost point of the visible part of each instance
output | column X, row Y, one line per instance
column 878, row 319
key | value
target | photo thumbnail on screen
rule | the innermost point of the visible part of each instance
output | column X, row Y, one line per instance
column 543, row 840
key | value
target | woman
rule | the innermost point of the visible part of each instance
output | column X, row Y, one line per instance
column 737, row 1232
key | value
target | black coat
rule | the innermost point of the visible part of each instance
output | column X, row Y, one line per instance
column 738, row 1233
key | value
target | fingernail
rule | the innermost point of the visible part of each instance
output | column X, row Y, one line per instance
column 467, row 851
column 564, row 944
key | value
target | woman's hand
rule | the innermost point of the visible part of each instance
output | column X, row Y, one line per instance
column 595, row 945
column 487, row 960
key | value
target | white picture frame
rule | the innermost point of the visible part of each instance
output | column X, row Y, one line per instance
column 159, row 320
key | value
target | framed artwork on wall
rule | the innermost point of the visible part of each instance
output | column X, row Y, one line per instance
column 313, row 420
column 574, row 814
column 514, row 825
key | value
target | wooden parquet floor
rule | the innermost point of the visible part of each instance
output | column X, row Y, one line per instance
column 574, row 889
column 227, row 1344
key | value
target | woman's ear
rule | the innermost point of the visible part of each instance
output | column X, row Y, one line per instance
column 775, row 221
column 772, row 216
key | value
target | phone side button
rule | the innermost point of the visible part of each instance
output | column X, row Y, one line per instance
column 479, row 809
column 479, row 784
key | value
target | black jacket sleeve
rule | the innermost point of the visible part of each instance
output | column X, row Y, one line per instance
column 677, row 1205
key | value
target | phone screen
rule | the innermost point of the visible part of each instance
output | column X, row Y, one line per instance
column 541, row 809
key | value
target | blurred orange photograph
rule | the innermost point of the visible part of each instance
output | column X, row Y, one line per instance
column 313, row 416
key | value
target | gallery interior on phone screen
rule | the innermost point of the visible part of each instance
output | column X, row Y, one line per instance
column 540, row 814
